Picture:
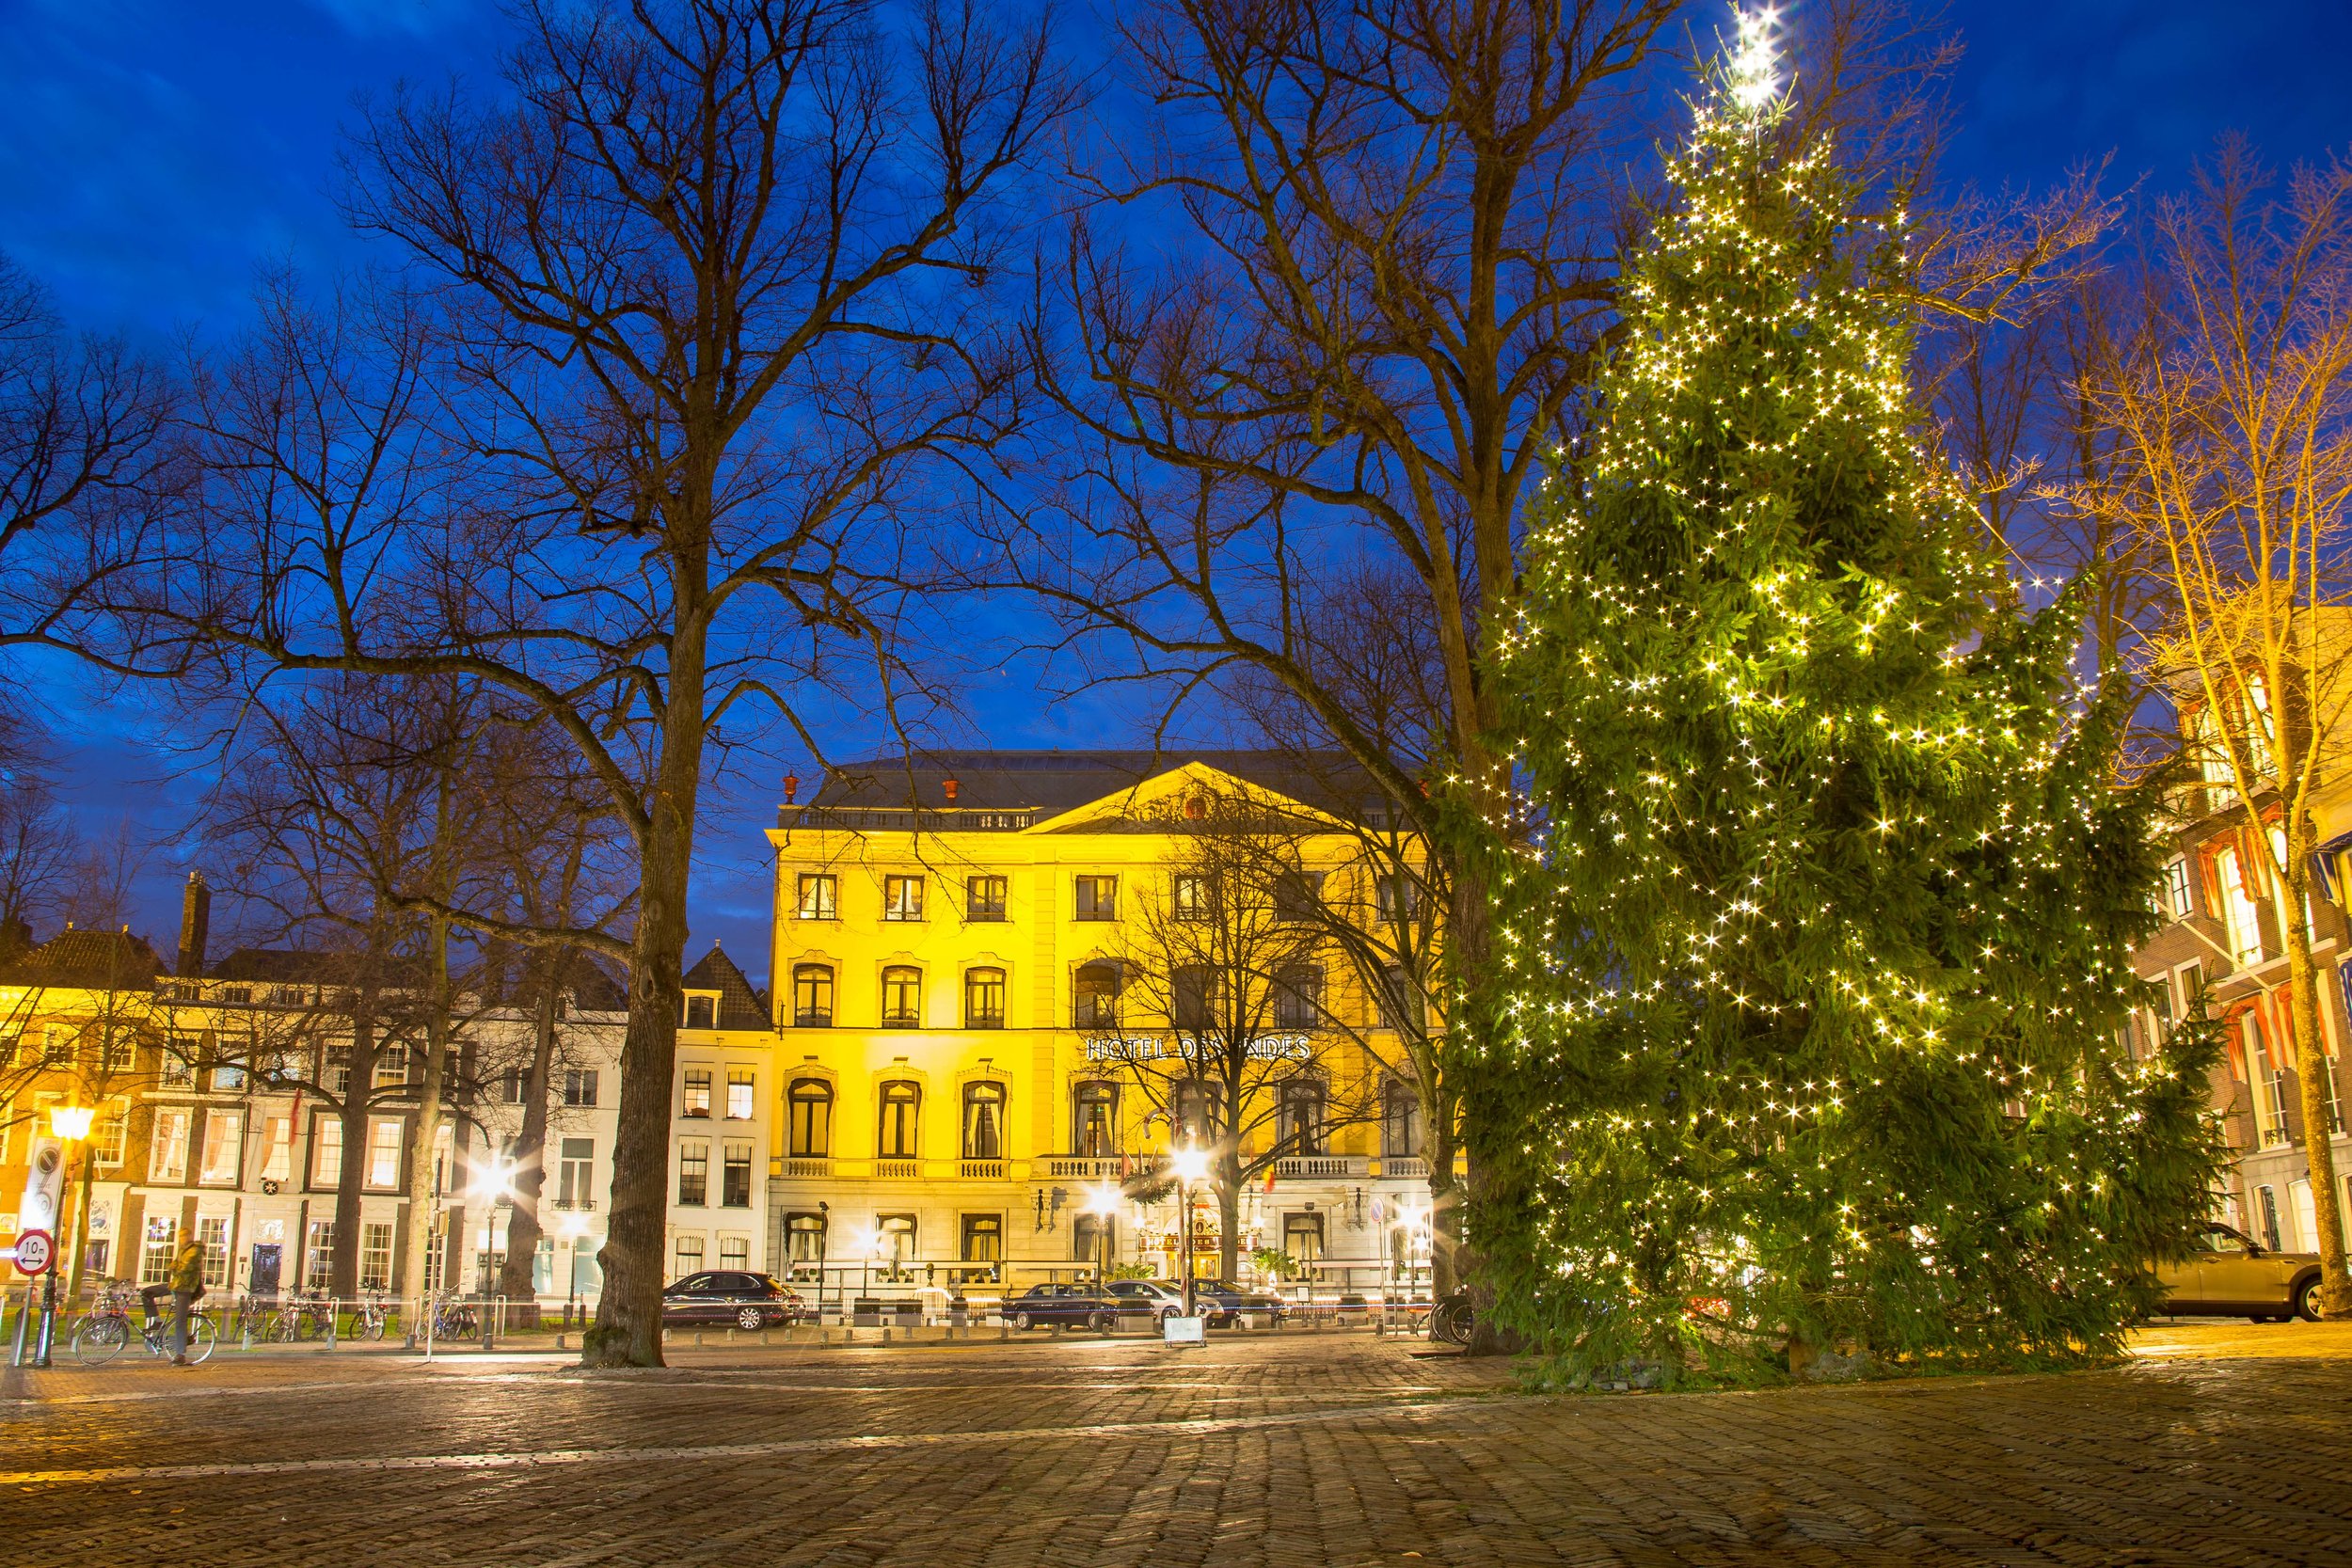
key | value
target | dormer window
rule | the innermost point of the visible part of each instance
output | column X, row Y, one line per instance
column 702, row 1009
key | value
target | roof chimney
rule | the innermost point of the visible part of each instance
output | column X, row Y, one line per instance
column 196, row 923
column 950, row 785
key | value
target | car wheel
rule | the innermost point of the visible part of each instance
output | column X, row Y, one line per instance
column 751, row 1317
column 1021, row 1322
column 2307, row 1300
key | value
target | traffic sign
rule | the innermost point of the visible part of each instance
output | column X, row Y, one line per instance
column 35, row 1252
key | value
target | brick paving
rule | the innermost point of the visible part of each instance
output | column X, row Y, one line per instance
column 2219, row 1445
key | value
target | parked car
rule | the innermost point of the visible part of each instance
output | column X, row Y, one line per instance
column 1223, row 1302
column 2230, row 1275
column 1156, row 1296
column 1051, row 1306
column 727, row 1296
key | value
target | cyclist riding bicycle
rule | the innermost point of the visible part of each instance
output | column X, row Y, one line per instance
column 185, row 1285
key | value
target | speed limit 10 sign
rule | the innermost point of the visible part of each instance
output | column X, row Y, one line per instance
column 35, row 1252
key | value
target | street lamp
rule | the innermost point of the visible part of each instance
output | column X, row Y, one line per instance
column 1101, row 1202
column 574, row 1227
column 70, row 1124
column 1190, row 1165
column 489, row 1184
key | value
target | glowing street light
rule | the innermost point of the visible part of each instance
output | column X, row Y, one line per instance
column 1101, row 1202
column 1190, row 1165
column 70, row 1124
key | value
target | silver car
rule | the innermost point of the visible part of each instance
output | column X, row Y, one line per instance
column 1155, row 1296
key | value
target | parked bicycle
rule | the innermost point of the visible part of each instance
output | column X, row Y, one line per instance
column 107, row 1328
column 1452, row 1320
column 370, row 1317
column 306, row 1315
column 454, row 1318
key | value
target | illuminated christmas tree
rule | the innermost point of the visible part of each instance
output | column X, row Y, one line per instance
column 1817, row 969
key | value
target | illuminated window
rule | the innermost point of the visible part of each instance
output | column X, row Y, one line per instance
column 1097, row 898
column 694, row 1171
column 1096, row 996
column 1094, row 1120
column 224, row 1139
column 741, row 1081
column 811, row 1105
column 697, row 1092
column 812, row 996
column 984, row 1121
column 983, row 999
column 903, row 997
column 902, row 1104
column 167, row 1155
column 902, row 898
column 984, row 898
column 820, row 895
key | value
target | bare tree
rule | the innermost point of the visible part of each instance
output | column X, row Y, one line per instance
column 1263, row 1055
column 82, row 422
column 2233, row 471
column 707, row 283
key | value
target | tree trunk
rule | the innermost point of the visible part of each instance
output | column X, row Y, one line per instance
column 2310, row 1067
column 1445, row 1207
column 342, row 1273
column 627, row 1331
column 425, row 1134
column 523, row 1227
column 1229, row 1182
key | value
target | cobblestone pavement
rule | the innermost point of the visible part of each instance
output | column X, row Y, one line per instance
column 2218, row 1445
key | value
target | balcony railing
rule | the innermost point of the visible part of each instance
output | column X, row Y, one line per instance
column 897, row 1168
column 983, row 1170
column 580, row 1204
column 807, row 1166
column 1081, row 1164
column 1319, row 1165
column 1403, row 1164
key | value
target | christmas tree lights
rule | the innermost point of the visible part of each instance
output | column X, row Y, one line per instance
column 1814, row 972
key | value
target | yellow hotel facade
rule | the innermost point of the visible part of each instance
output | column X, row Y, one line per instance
column 937, row 1112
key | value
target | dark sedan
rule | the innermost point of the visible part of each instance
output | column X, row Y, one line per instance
column 1222, row 1301
column 726, row 1296
column 1062, row 1307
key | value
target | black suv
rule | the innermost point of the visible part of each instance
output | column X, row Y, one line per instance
column 727, row 1296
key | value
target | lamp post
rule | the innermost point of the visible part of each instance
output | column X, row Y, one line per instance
column 70, row 1124
column 1101, row 1202
column 489, row 1186
column 574, row 1227
column 1190, row 1165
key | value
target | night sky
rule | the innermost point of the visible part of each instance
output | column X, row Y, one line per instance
column 152, row 152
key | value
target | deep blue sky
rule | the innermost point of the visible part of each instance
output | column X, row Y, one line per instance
column 154, row 152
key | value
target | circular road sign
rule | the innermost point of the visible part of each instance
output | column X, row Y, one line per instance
column 35, row 1252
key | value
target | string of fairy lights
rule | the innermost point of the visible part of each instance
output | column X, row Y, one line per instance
column 1756, row 596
